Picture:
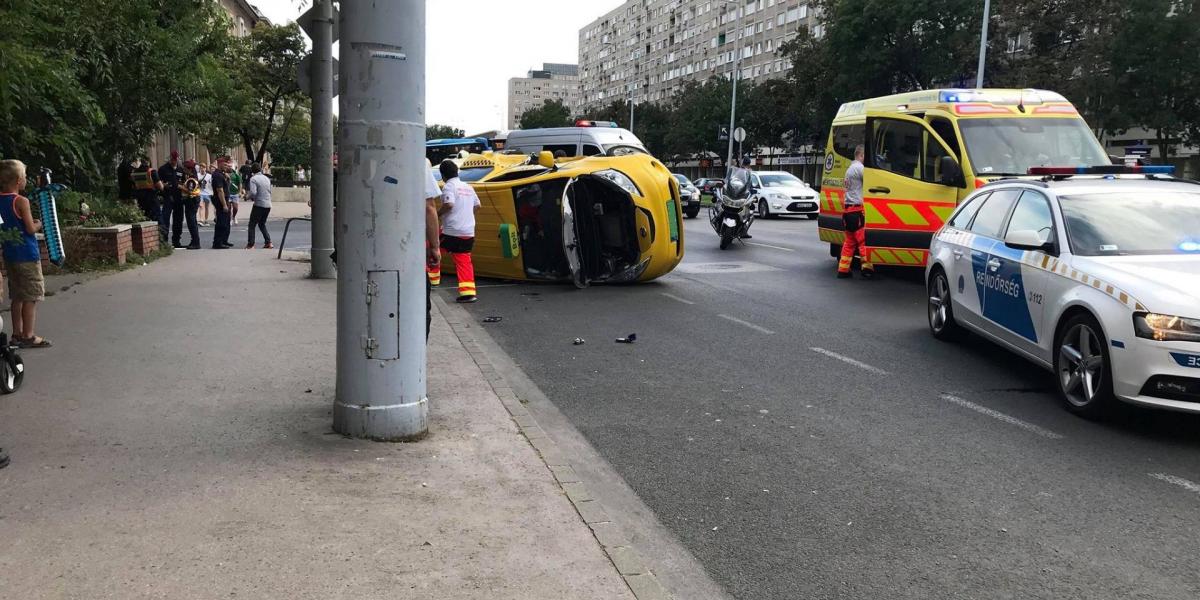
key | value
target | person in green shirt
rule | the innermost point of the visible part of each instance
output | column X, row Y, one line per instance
column 235, row 192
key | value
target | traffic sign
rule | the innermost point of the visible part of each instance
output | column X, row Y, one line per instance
column 722, row 134
column 739, row 135
column 305, row 22
column 304, row 75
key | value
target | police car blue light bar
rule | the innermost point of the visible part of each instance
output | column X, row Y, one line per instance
column 1105, row 170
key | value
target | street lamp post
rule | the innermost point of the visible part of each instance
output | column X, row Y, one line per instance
column 737, row 71
column 628, row 87
column 983, row 37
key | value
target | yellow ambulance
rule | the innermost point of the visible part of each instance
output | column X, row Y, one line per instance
column 927, row 150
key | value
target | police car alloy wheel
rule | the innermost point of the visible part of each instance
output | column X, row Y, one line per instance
column 1082, row 369
column 941, row 314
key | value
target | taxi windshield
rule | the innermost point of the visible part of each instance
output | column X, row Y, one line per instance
column 1009, row 146
column 780, row 180
column 1124, row 223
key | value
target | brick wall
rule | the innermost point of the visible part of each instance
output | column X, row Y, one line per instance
column 111, row 243
column 145, row 237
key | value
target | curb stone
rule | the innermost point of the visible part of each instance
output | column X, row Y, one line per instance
column 625, row 559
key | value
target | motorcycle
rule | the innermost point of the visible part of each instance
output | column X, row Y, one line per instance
column 733, row 212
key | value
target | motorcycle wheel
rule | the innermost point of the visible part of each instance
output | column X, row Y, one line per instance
column 726, row 239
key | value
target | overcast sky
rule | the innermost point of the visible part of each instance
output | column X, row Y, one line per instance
column 475, row 46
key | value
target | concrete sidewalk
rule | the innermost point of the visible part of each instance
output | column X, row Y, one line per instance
column 176, row 443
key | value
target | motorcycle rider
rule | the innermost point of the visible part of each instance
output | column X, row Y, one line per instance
column 743, row 173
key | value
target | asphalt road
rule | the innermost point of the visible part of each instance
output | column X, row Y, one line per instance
column 805, row 437
column 299, row 234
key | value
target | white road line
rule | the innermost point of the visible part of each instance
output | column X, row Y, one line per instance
column 770, row 246
column 747, row 324
column 846, row 359
column 1027, row 426
column 1179, row 481
column 677, row 298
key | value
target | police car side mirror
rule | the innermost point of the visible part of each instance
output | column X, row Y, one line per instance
column 1027, row 239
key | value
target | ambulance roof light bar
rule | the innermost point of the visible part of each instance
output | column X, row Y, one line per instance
column 1105, row 170
column 589, row 123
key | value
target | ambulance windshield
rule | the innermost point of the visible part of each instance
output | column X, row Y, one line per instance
column 1009, row 146
column 1117, row 224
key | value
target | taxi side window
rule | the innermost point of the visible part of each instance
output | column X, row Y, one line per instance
column 989, row 220
column 1032, row 214
column 963, row 218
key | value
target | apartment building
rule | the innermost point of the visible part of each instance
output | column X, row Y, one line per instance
column 650, row 48
column 554, row 81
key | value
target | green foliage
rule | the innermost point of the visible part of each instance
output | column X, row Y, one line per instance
column 101, row 212
column 285, row 175
column 551, row 114
column 441, row 132
column 86, row 82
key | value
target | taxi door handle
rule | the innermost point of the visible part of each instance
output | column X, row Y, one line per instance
column 880, row 190
column 994, row 264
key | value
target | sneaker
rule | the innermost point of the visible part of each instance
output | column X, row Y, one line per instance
column 467, row 299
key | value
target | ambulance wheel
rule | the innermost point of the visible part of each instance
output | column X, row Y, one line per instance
column 941, row 313
column 12, row 373
column 1083, row 369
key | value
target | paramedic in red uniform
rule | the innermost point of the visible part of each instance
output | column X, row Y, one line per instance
column 853, row 220
column 459, row 203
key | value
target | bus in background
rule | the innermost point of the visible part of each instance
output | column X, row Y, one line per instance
column 926, row 151
column 438, row 150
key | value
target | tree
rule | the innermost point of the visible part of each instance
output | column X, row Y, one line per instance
column 98, row 78
column 551, row 114
column 442, row 132
column 262, row 85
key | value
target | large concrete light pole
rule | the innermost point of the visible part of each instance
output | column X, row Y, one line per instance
column 322, row 140
column 983, row 37
column 381, row 233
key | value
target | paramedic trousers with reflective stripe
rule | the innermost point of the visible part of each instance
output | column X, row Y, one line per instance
column 855, row 225
column 460, row 250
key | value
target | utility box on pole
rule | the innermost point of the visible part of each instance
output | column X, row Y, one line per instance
column 381, row 222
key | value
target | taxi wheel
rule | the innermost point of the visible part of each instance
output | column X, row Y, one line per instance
column 1081, row 364
column 941, row 314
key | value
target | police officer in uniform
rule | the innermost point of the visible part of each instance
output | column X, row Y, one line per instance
column 146, row 187
column 187, row 209
column 171, row 175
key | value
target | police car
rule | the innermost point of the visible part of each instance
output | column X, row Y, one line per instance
column 1091, row 272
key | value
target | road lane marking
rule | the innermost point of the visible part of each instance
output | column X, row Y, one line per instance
column 1179, row 481
column 747, row 324
column 995, row 414
column 677, row 298
column 770, row 246
column 850, row 361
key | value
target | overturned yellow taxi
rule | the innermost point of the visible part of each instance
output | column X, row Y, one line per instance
column 603, row 219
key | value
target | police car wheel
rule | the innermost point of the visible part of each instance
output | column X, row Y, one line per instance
column 1081, row 364
column 763, row 211
column 941, row 314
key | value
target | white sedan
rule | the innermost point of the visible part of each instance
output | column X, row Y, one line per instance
column 1096, row 278
column 781, row 193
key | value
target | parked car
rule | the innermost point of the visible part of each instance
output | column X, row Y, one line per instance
column 781, row 193
column 709, row 185
column 689, row 196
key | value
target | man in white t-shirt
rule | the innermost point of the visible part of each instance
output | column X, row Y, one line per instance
column 459, row 203
column 854, row 220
